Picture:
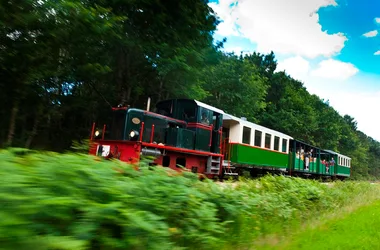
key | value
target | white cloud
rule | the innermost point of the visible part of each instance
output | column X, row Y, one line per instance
column 296, row 66
column 300, row 69
column 334, row 69
column 372, row 33
column 224, row 11
column 358, row 105
column 286, row 27
column 377, row 19
column 377, row 53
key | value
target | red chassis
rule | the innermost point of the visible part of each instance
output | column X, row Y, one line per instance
column 167, row 156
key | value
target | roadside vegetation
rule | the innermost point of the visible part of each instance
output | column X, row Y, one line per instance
column 76, row 201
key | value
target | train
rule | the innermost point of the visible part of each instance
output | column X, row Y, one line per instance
column 189, row 135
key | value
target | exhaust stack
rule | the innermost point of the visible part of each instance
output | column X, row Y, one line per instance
column 148, row 104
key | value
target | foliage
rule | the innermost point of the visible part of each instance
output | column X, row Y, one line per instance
column 76, row 201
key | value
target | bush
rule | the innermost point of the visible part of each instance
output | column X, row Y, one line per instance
column 76, row 201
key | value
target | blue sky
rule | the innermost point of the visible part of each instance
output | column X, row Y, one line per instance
column 332, row 46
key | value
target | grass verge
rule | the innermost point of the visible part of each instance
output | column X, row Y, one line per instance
column 76, row 201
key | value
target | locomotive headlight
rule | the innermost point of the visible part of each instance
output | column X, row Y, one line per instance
column 133, row 135
column 97, row 133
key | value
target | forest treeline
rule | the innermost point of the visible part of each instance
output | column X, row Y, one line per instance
column 64, row 63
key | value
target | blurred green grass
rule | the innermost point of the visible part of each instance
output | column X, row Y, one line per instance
column 357, row 229
column 77, row 201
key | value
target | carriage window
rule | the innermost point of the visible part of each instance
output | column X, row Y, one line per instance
column 276, row 143
column 258, row 135
column 284, row 142
column 246, row 135
column 267, row 140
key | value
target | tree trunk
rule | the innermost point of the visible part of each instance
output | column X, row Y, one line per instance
column 124, row 77
column 12, row 123
column 120, row 75
column 34, row 129
column 160, row 90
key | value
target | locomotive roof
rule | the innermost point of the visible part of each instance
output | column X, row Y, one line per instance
column 198, row 103
column 204, row 105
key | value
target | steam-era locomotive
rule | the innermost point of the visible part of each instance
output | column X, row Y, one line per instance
column 185, row 133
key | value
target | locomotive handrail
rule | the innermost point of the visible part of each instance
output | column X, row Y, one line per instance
column 104, row 131
column 92, row 131
column 212, row 125
column 141, row 131
column 220, row 139
column 152, row 134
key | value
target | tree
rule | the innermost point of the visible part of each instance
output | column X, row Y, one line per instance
column 233, row 80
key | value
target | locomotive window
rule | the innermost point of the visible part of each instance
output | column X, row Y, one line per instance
column 246, row 135
column 189, row 113
column 258, row 135
column 206, row 116
column 165, row 108
column 276, row 143
column 166, row 161
column 115, row 131
column 267, row 140
column 181, row 162
column 284, row 142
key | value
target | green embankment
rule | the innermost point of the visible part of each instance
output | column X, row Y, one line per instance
column 359, row 229
column 70, row 201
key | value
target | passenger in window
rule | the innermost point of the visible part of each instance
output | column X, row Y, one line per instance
column 204, row 119
column 307, row 160
column 332, row 162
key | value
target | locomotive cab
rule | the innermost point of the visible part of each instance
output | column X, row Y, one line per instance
column 203, row 121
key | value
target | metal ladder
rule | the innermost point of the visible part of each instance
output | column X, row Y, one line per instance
column 228, row 169
column 213, row 165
